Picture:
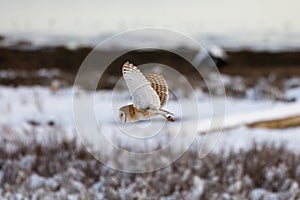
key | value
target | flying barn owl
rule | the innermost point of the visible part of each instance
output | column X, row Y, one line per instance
column 149, row 95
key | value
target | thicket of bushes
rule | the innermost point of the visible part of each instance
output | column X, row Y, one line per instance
column 62, row 170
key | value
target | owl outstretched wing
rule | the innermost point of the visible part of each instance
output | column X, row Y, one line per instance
column 159, row 84
column 143, row 95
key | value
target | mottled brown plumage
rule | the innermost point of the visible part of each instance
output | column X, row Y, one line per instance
column 132, row 111
column 149, row 95
column 159, row 84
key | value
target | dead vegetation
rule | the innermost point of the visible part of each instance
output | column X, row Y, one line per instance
column 63, row 170
column 286, row 122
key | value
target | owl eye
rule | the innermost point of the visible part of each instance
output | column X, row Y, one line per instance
column 122, row 117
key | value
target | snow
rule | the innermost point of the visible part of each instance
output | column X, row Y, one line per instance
column 43, row 73
column 36, row 181
column 244, row 138
column 198, row 187
column 235, row 41
column 51, row 183
column 24, row 105
column 258, row 194
column 27, row 162
column 295, row 92
column 217, row 52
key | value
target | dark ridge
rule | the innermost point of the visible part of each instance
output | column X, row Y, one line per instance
column 244, row 63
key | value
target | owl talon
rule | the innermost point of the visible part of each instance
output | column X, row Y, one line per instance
column 167, row 112
column 170, row 119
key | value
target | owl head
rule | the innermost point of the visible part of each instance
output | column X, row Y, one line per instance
column 128, row 114
column 123, row 113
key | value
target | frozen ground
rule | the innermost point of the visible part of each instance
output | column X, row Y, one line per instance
column 278, row 41
column 33, row 116
column 39, row 107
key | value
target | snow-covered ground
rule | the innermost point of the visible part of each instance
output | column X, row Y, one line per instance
column 235, row 41
column 24, row 107
column 44, row 116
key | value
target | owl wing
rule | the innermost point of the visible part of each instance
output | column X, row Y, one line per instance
column 159, row 84
column 143, row 95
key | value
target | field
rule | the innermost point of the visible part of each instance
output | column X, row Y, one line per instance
column 43, row 154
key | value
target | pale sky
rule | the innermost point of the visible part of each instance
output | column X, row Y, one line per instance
column 97, row 16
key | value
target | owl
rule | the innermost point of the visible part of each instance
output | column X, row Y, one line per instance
column 149, row 95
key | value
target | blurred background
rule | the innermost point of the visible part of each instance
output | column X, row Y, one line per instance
column 264, row 25
column 254, row 44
